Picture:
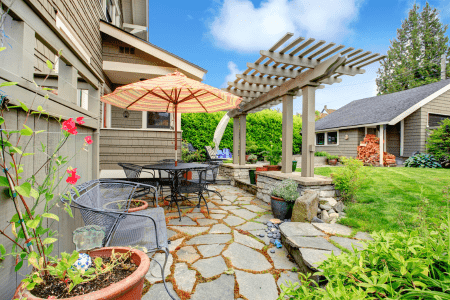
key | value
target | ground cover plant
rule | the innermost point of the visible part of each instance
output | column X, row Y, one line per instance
column 389, row 198
column 410, row 264
column 422, row 160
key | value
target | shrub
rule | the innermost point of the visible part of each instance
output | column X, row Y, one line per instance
column 321, row 153
column 252, row 157
column 329, row 156
column 348, row 179
column 188, row 156
column 286, row 189
column 422, row 160
column 401, row 265
column 438, row 143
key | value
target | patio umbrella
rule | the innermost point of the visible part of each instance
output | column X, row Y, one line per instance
column 172, row 93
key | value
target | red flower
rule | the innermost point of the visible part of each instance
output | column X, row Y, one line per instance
column 88, row 140
column 80, row 120
column 73, row 178
column 70, row 126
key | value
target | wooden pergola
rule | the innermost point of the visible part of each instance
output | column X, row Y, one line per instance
column 298, row 69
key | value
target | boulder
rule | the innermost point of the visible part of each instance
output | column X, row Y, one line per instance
column 325, row 216
column 305, row 207
column 339, row 206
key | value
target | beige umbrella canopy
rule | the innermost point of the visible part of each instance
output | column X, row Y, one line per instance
column 172, row 93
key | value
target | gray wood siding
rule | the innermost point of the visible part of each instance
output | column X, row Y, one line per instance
column 136, row 146
column 346, row 147
column 118, row 121
column 414, row 140
column 84, row 18
column 440, row 105
column 393, row 139
column 82, row 161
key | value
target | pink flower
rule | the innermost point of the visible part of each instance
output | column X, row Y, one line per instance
column 73, row 178
column 52, row 298
column 80, row 120
column 69, row 126
column 88, row 140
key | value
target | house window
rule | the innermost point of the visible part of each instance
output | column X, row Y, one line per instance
column 158, row 120
column 434, row 120
column 327, row 138
column 320, row 139
column 332, row 138
column 126, row 50
column 109, row 8
column 82, row 98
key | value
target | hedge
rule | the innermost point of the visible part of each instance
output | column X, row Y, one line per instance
column 263, row 128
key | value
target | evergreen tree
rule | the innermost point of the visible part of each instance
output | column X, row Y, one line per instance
column 414, row 57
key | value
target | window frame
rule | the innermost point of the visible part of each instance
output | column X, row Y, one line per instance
column 145, row 122
column 326, row 138
column 431, row 113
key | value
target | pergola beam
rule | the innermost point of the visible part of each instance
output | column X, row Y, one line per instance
column 273, row 71
column 245, row 86
column 296, row 61
column 252, row 79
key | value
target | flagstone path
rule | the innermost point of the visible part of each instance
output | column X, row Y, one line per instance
column 222, row 256
column 228, row 255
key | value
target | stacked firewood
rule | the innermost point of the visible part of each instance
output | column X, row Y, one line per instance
column 369, row 152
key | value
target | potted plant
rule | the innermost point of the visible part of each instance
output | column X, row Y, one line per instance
column 283, row 198
column 294, row 165
column 332, row 159
column 34, row 199
column 273, row 155
column 251, row 148
column 252, row 158
column 252, row 176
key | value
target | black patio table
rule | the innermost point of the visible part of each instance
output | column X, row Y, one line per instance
column 175, row 170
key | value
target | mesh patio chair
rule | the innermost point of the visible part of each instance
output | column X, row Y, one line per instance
column 105, row 203
column 133, row 173
column 209, row 177
column 182, row 187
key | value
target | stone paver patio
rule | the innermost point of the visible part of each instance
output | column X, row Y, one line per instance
column 227, row 254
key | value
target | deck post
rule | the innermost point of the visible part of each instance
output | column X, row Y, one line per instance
column 308, row 130
column 236, row 140
column 381, row 144
column 287, row 133
column 242, row 138
column 402, row 136
column 67, row 82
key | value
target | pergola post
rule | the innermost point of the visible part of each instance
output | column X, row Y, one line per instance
column 242, row 138
column 381, row 144
column 308, row 130
column 287, row 133
column 236, row 140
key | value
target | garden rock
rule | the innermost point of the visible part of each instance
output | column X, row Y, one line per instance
column 210, row 267
column 316, row 220
column 312, row 257
column 280, row 259
column 325, row 207
column 347, row 243
column 329, row 201
column 246, row 258
column 184, row 277
column 299, row 229
column 333, row 228
column 363, row 236
column 339, row 207
column 305, row 207
column 287, row 276
column 325, row 218
column 221, row 288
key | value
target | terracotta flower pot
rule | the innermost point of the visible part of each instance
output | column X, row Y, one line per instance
column 332, row 162
column 188, row 175
column 128, row 288
column 274, row 168
column 259, row 169
column 144, row 205
column 246, row 157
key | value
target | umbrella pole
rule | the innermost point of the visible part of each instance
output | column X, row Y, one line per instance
column 176, row 136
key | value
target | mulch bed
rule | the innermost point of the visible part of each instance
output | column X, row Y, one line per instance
column 53, row 286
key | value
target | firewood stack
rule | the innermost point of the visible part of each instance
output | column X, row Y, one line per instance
column 369, row 152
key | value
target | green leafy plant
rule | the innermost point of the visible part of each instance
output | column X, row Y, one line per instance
column 34, row 197
column 321, row 153
column 410, row 264
column 422, row 160
column 348, row 179
column 329, row 156
column 252, row 147
column 286, row 189
column 252, row 157
column 438, row 143
column 188, row 156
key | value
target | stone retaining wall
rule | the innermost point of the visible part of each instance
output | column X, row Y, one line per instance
column 267, row 181
column 235, row 171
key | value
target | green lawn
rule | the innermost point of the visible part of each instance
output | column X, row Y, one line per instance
column 390, row 198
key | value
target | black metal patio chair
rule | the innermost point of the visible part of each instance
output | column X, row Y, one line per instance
column 182, row 188
column 211, row 156
column 133, row 172
column 105, row 203
column 209, row 177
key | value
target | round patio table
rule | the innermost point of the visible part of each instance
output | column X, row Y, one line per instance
column 175, row 170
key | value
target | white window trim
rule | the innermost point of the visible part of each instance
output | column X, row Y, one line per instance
column 428, row 118
column 326, row 138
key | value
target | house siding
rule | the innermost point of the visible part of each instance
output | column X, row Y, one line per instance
column 136, row 146
column 346, row 147
column 440, row 105
column 393, row 139
column 118, row 121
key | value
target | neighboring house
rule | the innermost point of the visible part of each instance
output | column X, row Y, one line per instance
column 400, row 119
column 103, row 45
column 325, row 112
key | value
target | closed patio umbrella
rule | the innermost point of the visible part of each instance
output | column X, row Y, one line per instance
column 172, row 93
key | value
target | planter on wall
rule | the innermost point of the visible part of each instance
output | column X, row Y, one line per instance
column 274, row 168
column 128, row 288
column 332, row 162
column 280, row 208
column 259, row 169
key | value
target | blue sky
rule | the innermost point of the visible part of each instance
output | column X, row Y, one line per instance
column 221, row 36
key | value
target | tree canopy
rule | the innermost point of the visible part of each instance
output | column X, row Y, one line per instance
column 414, row 57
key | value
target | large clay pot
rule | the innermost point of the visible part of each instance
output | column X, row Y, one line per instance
column 144, row 205
column 188, row 175
column 280, row 208
column 128, row 288
column 332, row 162
column 274, row 168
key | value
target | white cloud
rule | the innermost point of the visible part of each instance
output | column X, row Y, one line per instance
column 232, row 67
column 239, row 25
